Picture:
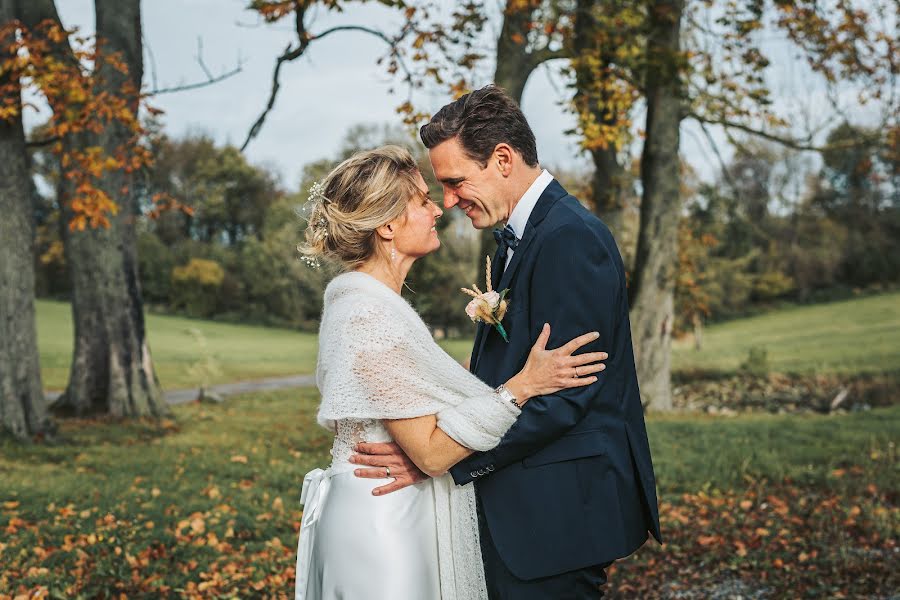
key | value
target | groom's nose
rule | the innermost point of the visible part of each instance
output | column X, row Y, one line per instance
column 450, row 199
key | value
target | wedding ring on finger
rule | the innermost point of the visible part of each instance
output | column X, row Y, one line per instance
column 576, row 372
column 387, row 471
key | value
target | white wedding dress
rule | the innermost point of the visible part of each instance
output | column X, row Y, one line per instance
column 377, row 360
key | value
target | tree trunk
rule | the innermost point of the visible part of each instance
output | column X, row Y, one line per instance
column 514, row 65
column 515, row 61
column 609, row 183
column 23, row 410
column 653, row 284
column 112, row 372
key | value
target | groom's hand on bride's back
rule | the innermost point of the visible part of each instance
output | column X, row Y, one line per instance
column 379, row 459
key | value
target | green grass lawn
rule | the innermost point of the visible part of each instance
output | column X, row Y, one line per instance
column 239, row 351
column 208, row 505
column 853, row 336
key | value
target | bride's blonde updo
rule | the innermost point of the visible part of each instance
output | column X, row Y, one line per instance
column 361, row 194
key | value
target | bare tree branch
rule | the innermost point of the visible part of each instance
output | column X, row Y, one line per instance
column 544, row 54
column 199, row 58
column 796, row 144
column 723, row 167
column 200, row 84
column 42, row 143
column 151, row 59
column 305, row 38
column 210, row 78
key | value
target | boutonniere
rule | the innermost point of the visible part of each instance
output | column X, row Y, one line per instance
column 487, row 307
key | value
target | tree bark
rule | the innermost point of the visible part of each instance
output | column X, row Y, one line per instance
column 23, row 410
column 609, row 183
column 112, row 371
column 653, row 284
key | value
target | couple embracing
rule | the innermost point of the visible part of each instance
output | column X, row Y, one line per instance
column 522, row 479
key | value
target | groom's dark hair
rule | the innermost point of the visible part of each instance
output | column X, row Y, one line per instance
column 481, row 120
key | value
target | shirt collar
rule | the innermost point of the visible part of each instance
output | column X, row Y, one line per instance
column 519, row 217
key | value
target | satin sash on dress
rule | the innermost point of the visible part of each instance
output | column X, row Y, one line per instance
column 315, row 490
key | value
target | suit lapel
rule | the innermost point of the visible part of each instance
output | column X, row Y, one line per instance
column 549, row 197
column 552, row 193
column 481, row 336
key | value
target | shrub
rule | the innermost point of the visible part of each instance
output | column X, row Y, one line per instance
column 194, row 286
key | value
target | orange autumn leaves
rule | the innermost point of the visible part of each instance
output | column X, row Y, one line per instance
column 75, row 551
column 63, row 69
column 772, row 541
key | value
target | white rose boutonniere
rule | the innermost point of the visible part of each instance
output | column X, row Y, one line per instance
column 488, row 307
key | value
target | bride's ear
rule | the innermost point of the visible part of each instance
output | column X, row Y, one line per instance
column 387, row 231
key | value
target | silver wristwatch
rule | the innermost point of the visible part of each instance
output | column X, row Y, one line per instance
column 507, row 395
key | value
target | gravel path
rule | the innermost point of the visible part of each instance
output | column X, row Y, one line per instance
column 230, row 389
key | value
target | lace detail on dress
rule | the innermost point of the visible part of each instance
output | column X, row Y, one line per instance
column 351, row 431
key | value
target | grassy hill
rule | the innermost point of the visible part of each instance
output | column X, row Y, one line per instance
column 860, row 335
column 853, row 336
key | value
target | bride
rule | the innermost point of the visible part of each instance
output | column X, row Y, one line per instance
column 382, row 378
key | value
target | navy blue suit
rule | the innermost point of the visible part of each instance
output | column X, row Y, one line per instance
column 571, row 484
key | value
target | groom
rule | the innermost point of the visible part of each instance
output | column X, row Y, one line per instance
column 570, row 488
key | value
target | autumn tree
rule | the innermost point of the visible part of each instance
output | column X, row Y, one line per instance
column 23, row 410
column 95, row 121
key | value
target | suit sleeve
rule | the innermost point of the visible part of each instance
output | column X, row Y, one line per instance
column 575, row 288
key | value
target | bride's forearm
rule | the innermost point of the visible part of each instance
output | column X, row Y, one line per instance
column 426, row 444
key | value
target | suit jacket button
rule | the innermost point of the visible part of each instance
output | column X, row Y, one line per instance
column 490, row 468
column 473, row 474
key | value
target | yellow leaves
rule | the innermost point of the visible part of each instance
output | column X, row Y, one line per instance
column 8, row 113
column 212, row 492
column 278, row 505
column 198, row 525
column 11, row 504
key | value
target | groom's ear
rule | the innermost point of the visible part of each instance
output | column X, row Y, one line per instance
column 502, row 159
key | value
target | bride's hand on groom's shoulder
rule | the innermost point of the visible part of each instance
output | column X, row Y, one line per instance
column 386, row 461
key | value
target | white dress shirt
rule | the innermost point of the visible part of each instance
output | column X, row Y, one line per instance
column 519, row 217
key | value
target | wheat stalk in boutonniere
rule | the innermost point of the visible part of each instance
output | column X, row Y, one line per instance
column 487, row 307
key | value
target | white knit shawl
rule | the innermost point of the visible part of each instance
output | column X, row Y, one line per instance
column 377, row 360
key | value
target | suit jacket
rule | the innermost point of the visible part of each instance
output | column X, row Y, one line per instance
column 571, row 484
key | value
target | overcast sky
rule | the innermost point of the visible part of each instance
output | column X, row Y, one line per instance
column 334, row 86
